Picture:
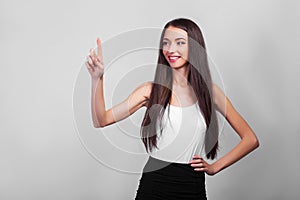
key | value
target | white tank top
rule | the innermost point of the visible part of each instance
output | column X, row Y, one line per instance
column 182, row 136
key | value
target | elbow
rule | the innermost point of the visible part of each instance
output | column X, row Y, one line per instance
column 102, row 125
column 255, row 143
column 252, row 141
column 96, row 126
column 99, row 125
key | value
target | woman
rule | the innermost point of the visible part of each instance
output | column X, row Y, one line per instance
column 180, row 126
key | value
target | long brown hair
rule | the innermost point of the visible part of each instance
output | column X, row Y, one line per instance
column 199, row 78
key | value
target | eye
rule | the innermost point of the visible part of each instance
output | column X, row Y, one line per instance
column 181, row 43
column 165, row 43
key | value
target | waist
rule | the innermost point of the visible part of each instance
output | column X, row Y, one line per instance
column 179, row 155
column 171, row 169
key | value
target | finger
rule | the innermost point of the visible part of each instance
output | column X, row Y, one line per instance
column 200, row 169
column 93, row 54
column 89, row 66
column 90, row 60
column 200, row 163
column 197, row 156
column 99, row 47
column 95, row 58
column 94, row 62
column 197, row 165
column 98, row 60
column 196, row 161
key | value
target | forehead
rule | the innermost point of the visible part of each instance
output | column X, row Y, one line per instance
column 174, row 32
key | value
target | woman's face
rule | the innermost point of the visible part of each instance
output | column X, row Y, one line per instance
column 175, row 46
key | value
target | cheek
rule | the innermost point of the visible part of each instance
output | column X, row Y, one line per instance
column 164, row 53
column 184, row 54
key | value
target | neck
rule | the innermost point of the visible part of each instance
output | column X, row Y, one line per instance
column 180, row 77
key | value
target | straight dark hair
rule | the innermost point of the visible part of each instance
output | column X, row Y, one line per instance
column 199, row 78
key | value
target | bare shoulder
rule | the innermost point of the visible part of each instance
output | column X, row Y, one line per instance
column 219, row 98
column 217, row 92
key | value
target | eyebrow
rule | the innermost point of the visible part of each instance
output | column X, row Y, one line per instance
column 175, row 39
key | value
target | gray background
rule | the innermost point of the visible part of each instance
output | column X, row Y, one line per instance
column 44, row 44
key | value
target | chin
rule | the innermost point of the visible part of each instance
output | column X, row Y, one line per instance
column 176, row 66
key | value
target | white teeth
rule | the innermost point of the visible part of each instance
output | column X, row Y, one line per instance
column 174, row 57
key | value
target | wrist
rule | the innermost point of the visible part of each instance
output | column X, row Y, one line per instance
column 217, row 166
column 96, row 79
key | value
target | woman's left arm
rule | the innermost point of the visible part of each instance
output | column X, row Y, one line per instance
column 248, row 142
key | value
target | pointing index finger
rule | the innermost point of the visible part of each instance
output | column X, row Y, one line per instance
column 99, row 47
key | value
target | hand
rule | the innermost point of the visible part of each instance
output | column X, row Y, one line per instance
column 94, row 62
column 201, row 165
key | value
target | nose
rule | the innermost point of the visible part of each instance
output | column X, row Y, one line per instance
column 172, row 47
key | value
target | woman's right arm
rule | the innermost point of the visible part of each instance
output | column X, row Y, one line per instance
column 101, row 116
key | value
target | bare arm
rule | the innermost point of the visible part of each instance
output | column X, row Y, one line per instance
column 248, row 142
column 103, row 117
column 97, row 96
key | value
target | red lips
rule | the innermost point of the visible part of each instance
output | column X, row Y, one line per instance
column 173, row 58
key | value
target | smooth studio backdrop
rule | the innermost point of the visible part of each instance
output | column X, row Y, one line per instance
column 253, row 44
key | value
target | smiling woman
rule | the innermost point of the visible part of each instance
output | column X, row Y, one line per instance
column 177, row 140
column 175, row 47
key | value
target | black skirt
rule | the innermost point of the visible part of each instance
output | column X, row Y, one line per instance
column 163, row 180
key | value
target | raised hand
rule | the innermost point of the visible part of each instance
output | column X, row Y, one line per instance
column 94, row 62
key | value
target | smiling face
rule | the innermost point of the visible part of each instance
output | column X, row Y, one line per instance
column 175, row 46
